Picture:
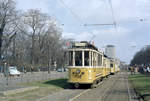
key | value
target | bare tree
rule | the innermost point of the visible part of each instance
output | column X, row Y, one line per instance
column 32, row 37
column 36, row 22
column 45, row 35
column 8, row 20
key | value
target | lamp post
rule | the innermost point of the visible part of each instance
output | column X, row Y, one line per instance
column 6, row 72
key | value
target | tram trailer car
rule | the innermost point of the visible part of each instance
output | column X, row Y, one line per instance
column 87, row 65
column 106, row 66
column 117, row 68
column 113, row 67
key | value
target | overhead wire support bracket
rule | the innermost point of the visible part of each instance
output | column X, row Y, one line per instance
column 111, row 24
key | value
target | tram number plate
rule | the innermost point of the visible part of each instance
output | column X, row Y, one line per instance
column 77, row 75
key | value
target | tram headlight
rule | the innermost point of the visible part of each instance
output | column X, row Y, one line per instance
column 78, row 71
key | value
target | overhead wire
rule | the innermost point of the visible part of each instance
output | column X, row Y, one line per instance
column 54, row 16
column 71, row 11
column 76, row 17
column 113, row 15
column 80, row 21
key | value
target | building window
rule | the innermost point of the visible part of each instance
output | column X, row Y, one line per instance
column 78, row 58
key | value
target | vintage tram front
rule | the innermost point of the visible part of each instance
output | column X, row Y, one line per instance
column 85, row 64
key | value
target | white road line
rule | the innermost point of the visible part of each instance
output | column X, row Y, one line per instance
column 129, row 94
column 83, row 93
column 106, row 90
column 79, row 94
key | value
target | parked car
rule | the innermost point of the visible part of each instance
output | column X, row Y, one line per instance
column 60, row 70
column 66, row 69
column 1, row 69
column 13, row 71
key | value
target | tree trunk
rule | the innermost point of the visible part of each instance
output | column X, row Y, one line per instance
column 1, row 42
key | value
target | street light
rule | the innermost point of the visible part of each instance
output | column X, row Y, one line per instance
column 6, row 72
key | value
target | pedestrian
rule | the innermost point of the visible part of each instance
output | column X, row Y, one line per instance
column 145, row 69
column 132, row 70
column 148, row 69
column 25, row 69
column 32, row 69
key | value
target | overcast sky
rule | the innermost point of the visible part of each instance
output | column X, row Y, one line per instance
column 75, row 13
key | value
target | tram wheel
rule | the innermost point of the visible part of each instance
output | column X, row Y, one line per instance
column 72, row 86
column 93, row 85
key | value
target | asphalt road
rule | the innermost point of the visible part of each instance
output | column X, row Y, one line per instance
column 114, row 88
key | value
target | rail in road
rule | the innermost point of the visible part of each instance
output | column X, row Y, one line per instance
column 114, row 88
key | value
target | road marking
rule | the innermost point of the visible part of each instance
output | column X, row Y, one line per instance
column 79, row 94
column 106, row 90
column 129, row 94
column 72, row 99
column 83, row 92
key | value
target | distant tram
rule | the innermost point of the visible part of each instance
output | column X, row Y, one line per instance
column 88, row 65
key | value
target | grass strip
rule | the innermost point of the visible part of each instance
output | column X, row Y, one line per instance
column 141, row 83
column 45, row 88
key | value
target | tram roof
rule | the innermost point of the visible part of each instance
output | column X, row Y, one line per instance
column 84, row 45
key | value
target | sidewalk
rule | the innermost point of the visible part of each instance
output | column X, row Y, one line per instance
column 10, row 87
column 9, row 90
column 14, row 83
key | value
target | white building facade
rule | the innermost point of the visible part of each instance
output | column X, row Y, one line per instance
column 110, row 51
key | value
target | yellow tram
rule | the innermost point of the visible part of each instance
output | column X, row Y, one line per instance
column 87, row 65
column 114, row 66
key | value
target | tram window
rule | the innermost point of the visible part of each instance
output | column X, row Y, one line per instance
column 104, row 62
column 86, row 58
column 91, row 63
column 111, row 65
column 94, row 59
column 99, row 60
column 70, row 58
column 78, row 58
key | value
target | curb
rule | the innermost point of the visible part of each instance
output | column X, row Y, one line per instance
column 20, row 90
column 140, row 97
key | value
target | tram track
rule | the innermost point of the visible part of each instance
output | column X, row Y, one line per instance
column 80, row 94
column 114, row 88
column 128, row 88
column 109, row 89
column 101, row 89
column 121, row 90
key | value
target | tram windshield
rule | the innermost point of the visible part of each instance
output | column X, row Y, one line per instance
column 78, row 58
